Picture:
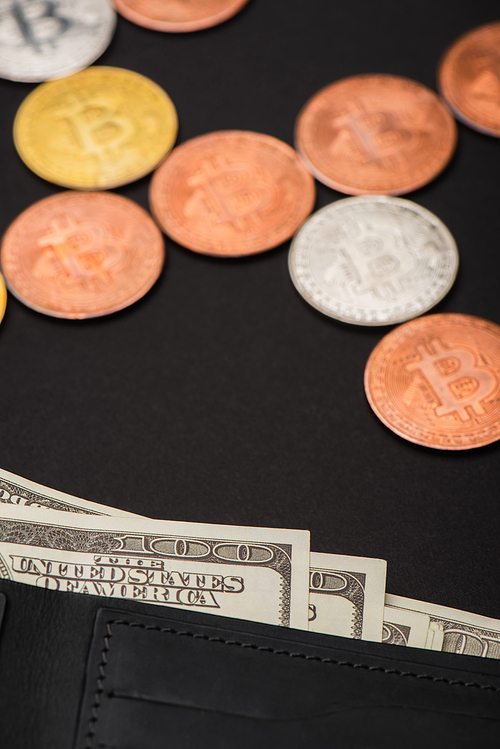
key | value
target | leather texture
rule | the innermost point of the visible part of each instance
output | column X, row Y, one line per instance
column 152, row 679
column 2, row 607
column 146, row 677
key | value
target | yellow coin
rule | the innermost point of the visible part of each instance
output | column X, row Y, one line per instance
column 3, row 298
column 100, row 128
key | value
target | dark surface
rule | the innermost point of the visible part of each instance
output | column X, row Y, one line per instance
column 222, row 397
column 161, row 677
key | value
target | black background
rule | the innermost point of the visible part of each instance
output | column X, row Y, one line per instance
column 222, row 397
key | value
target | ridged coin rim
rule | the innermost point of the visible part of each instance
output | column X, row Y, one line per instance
column 379, row 199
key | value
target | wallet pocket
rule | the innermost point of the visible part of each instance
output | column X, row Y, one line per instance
column 2, row 607
column 160, row 681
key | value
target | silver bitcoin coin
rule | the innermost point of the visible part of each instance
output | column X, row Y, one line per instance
column 45, row 39
column 373, row 260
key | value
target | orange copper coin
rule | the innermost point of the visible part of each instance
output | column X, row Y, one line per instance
column 436, row 381
column 80, row 255
column 231, row 193
column 378, row 134
column 178, row 15
column 469, row 78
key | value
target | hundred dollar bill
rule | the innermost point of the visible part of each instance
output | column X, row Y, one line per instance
column 346, row 596
column 15, row 490
column 249, row 573
column 402, row 627
column 457, row 631
column 435, row 637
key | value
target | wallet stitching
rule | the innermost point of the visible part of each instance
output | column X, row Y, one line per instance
column 94, row 710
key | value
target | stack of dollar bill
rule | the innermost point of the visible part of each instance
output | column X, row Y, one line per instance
column 56, row 541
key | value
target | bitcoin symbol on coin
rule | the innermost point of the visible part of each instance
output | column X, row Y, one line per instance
column 97, row 127
column 81, row 252
column 32, row 27
column 228, row 191
column 375, row 265
column 380, row 134
column 458, row 381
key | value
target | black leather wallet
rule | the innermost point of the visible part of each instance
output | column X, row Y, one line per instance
column 2, row 607
column 91, row 674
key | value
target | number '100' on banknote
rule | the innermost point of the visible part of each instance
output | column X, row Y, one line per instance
column 260, row 574
column 346, row 596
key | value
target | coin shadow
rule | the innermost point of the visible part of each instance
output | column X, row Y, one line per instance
column 362, row 331
column 90, row 321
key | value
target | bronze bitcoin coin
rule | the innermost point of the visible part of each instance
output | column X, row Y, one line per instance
column 79, row 255
column 436, row 381
column 178, row 15
column 379, row 134
column 231, row 193
column 469, row 78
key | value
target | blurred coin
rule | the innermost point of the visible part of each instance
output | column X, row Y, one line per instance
column 373, row 260
column 231, row 193
column 99, row 128
column 44, row 40
column 178, row 15
column 469, row 78
column 3, row 298
column 375, row 134
column 436, row 381
column 80, row 255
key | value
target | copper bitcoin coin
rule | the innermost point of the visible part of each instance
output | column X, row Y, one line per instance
column 436, row 381
column 178, row 15
column 231, row 193
column 469, row 78
column 80, row 255
column 378, row 134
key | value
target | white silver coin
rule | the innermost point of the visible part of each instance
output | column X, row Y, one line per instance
column 45, row 39
column 373, row 260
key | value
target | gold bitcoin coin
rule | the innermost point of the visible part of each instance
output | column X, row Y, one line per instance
column 100, row 128
column 3, row 298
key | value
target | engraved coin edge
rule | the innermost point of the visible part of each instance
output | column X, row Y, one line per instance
column 380, row 199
